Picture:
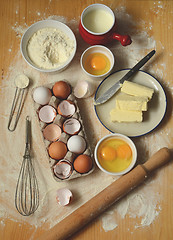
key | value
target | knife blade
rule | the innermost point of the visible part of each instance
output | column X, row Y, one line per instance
column 111, row 91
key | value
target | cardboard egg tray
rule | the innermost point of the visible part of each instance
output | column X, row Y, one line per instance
column 64, row 136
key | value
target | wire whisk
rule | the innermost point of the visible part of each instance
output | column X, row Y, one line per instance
column 27, row 191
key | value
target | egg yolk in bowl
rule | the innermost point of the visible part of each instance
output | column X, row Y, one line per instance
column 114, row 155
column 97, row 63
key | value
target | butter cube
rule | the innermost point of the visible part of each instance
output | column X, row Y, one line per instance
column 118, row 115
column 131, row 103
column 137, row 89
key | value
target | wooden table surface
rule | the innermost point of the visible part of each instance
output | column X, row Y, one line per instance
column 156, row 19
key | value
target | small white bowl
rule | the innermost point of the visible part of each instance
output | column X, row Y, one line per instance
column 47, row 24
column 125, row 139
column 98, row 49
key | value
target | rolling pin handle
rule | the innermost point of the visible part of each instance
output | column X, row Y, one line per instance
column 159, row 159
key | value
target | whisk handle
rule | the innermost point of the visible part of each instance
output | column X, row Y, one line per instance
column 27, row 131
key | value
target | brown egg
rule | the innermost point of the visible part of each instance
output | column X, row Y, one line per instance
column 61, row 90
column 52, row 132
column 83, row 163
column 57, row 150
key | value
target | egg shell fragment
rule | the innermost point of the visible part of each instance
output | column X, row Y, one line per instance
column 64, row 196
column 71, row 126
column 61, row 89
column 76, row 144
column 47, row 114
column 57, row 150
column 66, row 108
column 83, row 163
column 63, row 169
column 83, row 89
column 52, row 132
column 42, row 95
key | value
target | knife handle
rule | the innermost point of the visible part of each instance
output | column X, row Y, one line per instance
column 138, row 66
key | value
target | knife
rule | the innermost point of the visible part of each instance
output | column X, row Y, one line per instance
column 111, row 91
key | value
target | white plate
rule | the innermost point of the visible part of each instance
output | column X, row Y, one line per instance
column 151, row 118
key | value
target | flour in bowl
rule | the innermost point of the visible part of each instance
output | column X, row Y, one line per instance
column 49, row 48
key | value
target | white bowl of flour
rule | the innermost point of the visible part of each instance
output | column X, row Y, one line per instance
column 48, row 46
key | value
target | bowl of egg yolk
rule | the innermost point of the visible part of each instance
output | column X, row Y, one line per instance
column 97, row 61
column 115, row 154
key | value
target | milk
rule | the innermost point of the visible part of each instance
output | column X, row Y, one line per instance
column 98, row 20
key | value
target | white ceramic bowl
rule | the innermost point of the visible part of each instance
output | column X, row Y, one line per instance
column 47, row 24
column 125, row 139
column 99, row 49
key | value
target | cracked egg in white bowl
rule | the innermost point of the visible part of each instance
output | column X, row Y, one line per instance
column 97, row 61
column 48, row 46
column 115, row 154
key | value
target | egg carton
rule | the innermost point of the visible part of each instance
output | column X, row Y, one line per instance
column 59, row 120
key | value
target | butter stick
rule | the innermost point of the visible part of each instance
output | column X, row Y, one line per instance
column 118, row 115
column 131, row 103
column 137, row 89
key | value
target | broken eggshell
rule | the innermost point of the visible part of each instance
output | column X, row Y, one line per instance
column 47, row 114
column 83, row 89
column 66, row 108
column 64, row 196
column 71, row 126
column 63, row 169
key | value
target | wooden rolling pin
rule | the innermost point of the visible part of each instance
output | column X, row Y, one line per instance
column 91, row 209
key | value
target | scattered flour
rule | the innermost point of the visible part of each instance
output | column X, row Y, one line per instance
column 108, row 221
column 19, row 30
column 143, row 204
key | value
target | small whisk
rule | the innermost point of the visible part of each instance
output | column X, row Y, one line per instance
column 27, row 192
